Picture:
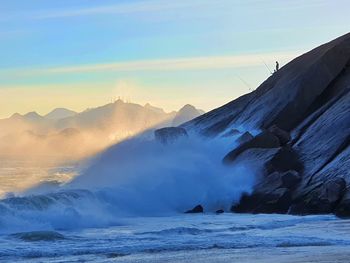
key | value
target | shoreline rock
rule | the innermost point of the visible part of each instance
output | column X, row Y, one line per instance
column 195, row 210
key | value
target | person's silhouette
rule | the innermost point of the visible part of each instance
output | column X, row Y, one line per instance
column 277, row 66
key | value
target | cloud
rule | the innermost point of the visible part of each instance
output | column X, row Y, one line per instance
column 171, row 64
column 152, row 6
column 159, row 5
column 126, row 8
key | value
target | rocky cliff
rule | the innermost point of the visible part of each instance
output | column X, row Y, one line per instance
column 296, row 126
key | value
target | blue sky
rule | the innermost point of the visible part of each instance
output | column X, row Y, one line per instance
column 80, row 54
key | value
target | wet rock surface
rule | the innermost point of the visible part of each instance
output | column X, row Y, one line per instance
column 245, row 137
column 263, row 140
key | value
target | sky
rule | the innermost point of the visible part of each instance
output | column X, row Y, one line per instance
column 81, row 53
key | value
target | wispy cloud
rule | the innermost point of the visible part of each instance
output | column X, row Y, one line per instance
column 126, row 8
column 146, row 6
column 150, row 6
column 172, row 64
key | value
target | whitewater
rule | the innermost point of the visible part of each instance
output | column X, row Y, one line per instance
column 127, row 205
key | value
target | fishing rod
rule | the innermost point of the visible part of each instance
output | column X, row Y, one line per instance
column 243, row 81
column 266, row 66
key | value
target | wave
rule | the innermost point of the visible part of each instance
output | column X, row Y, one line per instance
column 178, row 231
column 305, row 244
column 136, row 177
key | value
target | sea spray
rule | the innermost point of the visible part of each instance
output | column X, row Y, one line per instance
column 146, row 177
column 138, row 177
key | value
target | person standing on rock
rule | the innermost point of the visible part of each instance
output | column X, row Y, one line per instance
column 277, row 66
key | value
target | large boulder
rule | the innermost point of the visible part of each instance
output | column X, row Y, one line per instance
column 343, row 208
column 269, row 160
column 244, row 138
column 284, row 160
column 277, row 172
column 275, row 201
column 263, row 140
column 290, row 179
column 283, row 136
column 321, row 200
column 195, row 210
column 169, row 134
column 272, row 194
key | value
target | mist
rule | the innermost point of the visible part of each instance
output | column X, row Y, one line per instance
column 145, row 176
column 137, row 177
column 33, row 144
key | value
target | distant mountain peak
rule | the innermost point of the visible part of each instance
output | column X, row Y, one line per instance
column 153, row 108
column 119, row 101
column 189, row 107
column 33, row 115
column 186, row 113
column 16, row 116
column 60, row 113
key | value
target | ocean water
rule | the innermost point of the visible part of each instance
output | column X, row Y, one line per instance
column 128, row 205
column 188, row 238
column 19, row 174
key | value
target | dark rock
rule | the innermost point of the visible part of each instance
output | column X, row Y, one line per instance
column 276, row 169
column 290, row 179
column 268, row 161
column 258, row 160
column 220, row 211
column 343, row 209
column 322, row 200
column 275, row 181
column 283, row 136
column 273, row 194
column 263, row 140
column 276, row 201
column 245, row 137
column 196, row 209
column 247, row 203
column 169, row 134
column 284, row 160
column 333, row 190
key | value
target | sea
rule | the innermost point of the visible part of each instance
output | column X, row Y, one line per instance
column 42, row 222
